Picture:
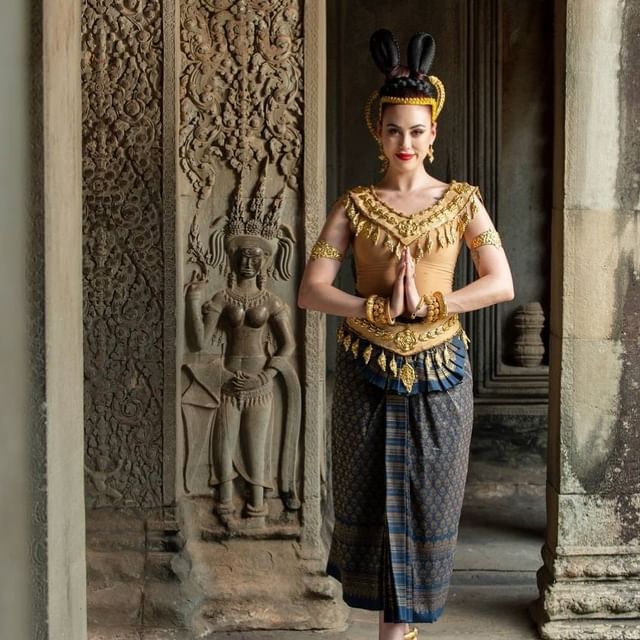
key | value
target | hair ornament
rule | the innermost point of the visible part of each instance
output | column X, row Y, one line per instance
column 400, row 80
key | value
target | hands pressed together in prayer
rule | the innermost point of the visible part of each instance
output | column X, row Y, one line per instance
column 405, row 297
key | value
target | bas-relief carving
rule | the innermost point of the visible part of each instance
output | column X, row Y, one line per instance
column 230, row 394
column 241, row 110
column 123, row 258
column 240, row 88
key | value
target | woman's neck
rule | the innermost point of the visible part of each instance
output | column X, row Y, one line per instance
column 407, row 182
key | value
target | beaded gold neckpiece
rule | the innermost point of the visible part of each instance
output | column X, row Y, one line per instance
column 440, row 225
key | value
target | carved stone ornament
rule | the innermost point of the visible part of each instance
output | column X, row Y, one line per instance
column 528, row 348
column 231, row 396
column 240, row 88
column 122, row 240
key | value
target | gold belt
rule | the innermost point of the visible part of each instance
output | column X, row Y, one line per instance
column 407, row 338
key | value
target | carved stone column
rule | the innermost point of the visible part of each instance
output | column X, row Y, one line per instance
column 250, row 200
column 590, row 582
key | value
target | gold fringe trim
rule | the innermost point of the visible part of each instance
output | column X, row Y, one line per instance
column 439, row 226
column 441, row 358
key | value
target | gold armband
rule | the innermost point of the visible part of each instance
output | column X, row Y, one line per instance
column 322, row 249
column 490, row 236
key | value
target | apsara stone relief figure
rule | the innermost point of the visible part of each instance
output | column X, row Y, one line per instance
column 238, row 388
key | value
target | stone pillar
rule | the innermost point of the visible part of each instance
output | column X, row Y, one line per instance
column 590, row 581
column 251, row 481
column 15, row 496
column 41, row 351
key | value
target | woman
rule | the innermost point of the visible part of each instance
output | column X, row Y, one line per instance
column 403, row 402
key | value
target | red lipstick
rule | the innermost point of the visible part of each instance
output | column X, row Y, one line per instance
column 405, row 156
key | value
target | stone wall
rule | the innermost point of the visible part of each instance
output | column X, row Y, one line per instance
column 589, row 583
column 123, row 253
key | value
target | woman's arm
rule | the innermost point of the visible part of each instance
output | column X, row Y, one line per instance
column 494, row 283
column 316, row 289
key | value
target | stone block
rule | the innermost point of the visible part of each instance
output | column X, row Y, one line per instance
column 158, row 566
column 166, row 605
column 118, row 605
column 589, row 413
column 592, row 51
column 166, row 634
column 105, row 568
column 590, row 630
column 587, row 523
column 114, row 520
column 112, row 633
column 596, row 243
column 129, row 540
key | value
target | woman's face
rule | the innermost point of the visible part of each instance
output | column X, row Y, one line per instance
column 406, row 133
column 248, row 261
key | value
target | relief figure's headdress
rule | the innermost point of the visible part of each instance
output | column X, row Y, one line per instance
column 404, row 85
column 252, row 223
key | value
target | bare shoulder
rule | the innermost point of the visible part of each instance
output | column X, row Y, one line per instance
column 336, row 230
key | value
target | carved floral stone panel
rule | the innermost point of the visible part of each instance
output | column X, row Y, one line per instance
column 123, row 252
column 240, row 88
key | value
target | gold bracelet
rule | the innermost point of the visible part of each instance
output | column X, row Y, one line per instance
column 418, row 307
column 433, row 308
column 379, row 314
column 369, row 308
column 441, row 303
column 390, row 319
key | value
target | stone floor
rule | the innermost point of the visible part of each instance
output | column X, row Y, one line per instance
column 501, row 533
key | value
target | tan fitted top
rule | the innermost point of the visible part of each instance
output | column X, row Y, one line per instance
column 433, row 235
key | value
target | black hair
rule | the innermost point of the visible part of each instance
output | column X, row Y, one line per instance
column 411, row 81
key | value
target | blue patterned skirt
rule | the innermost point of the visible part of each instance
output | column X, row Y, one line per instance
column 399, row 466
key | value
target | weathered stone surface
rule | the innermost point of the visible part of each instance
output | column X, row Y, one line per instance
column 593, row 521
column 589, row 586
column 158, row 566
column 590, row 630
column 115, row 520
column 117, row 605
column 111, row 633
column 167, row 605
column 106, row 568
column 116, row 540
column 246, row 583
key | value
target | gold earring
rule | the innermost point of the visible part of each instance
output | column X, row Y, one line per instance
column 430, row 153
column 383, row 159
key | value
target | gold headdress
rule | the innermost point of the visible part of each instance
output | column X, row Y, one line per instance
column 400, row 81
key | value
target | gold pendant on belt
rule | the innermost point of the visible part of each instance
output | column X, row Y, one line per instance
column 405, row 340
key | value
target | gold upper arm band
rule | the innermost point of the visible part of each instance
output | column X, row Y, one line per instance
column 322, row 249
column 490, row 236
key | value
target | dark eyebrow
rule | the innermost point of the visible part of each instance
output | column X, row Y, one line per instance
column 397, row 126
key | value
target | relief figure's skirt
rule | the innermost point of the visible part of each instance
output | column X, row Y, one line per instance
column 399, row 470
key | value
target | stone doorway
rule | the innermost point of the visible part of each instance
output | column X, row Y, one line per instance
column 589, row 583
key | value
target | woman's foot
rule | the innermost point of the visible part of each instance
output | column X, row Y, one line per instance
column 395, row 631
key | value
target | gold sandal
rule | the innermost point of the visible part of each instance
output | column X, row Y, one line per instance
column 411, row 635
